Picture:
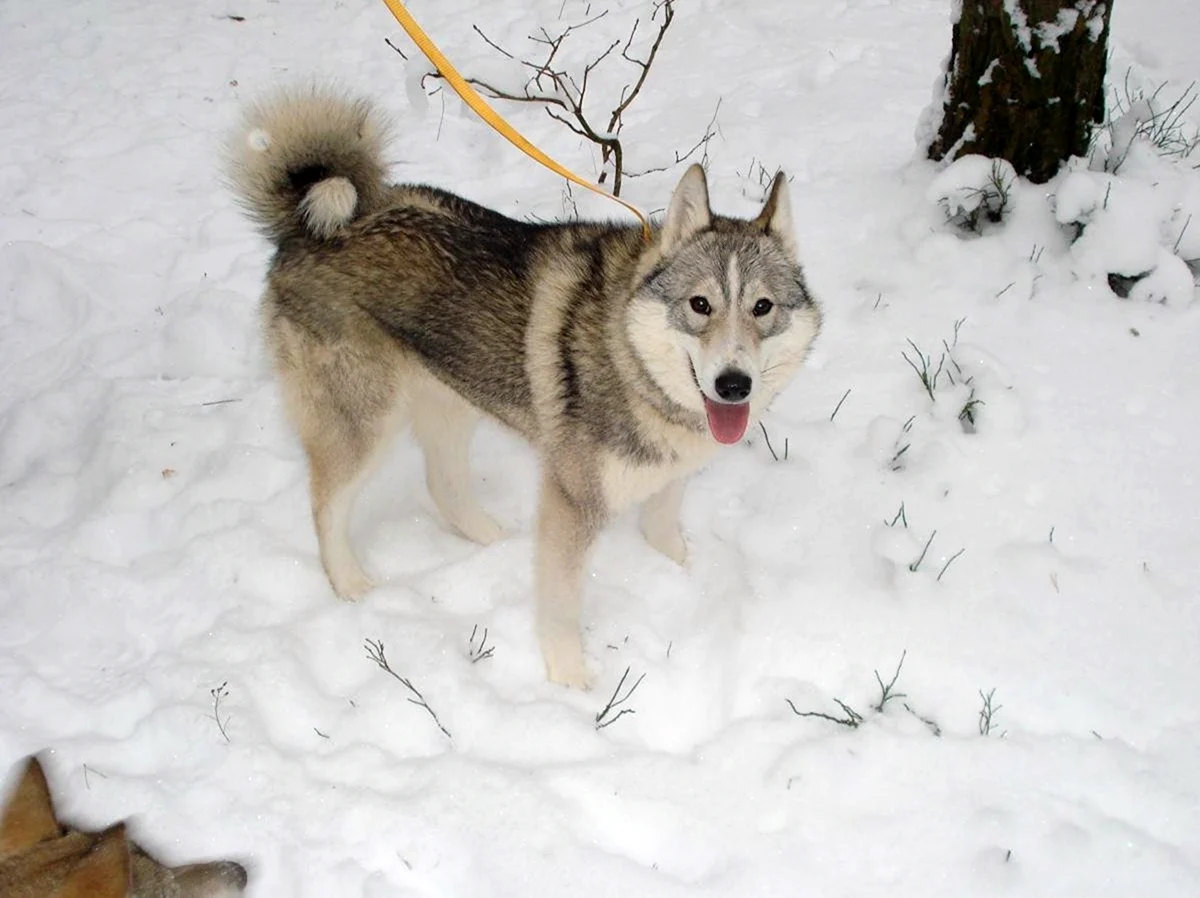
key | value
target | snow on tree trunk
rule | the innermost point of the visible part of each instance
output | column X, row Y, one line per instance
column 1024, row 82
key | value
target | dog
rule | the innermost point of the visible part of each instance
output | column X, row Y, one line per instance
column 39, row 858
column 625, row 362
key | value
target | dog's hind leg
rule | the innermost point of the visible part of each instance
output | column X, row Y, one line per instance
column 659, row 521
column 336, row 471
column 443, row 423
column 345, row 400
column 565, row 533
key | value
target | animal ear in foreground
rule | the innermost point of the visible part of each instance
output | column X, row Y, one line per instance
column 41, row 858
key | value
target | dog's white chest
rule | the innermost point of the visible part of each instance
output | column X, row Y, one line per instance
column 627, row 483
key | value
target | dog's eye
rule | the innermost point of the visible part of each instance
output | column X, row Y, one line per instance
column 700, row 305
column 762, row 307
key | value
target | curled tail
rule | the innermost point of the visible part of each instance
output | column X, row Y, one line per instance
column 307, row 162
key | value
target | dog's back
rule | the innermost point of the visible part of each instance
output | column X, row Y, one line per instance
column 39, row 858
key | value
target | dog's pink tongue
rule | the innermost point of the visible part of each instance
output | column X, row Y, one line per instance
column 727, row 422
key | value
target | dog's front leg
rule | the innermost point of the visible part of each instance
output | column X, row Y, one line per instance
column 660, row 521
column 565, row 534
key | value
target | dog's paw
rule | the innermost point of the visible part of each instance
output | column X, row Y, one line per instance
column 481, row 528
column 565, row 666
column 351, row 585
column 576, row 677
column 669, row 543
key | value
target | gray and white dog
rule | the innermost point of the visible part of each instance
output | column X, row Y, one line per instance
column 624, row 362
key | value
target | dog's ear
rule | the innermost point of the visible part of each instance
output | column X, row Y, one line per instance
column 689, row 212
column 775, row 218
column 29, row 815
column 104, row 872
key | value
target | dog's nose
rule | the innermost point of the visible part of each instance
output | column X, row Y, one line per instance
column 733, row 386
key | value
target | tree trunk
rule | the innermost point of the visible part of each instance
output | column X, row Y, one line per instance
column 1025, row 82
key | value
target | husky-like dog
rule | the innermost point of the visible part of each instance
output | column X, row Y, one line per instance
column 624, row 362
column 40, row 858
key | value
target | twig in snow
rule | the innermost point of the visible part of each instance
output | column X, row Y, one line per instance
column 837, row 408
column 885, row 692
column 219, row 693
column 897, row 463
column 388, row 41
column 86, row 770
column 929, row 722
column 966, row 415
column 950, row 561
column 1179, row 239
column 987, row 713
column 758, row 180
column 917, row 564
column 771, row 448
column 616, row 700
column 852, row 719
column 375, row 653
column 928, row 380
column 481, row 651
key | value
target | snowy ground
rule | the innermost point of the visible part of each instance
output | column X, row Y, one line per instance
column 155, row 544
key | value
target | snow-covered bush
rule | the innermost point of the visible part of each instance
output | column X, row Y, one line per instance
column 1149, row 119
column 1133, row 213
column 1130, row 212
column 974, row 191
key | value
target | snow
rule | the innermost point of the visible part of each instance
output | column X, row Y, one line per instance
column 986, row 77
column 1020, row 24
column 1049, row 33
column 1170, row 281
column 1121, row 219
column 156, row 550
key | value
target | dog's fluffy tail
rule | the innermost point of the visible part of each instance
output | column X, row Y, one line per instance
column 308, row 162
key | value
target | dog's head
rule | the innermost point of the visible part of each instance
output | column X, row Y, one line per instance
column 721, row 317
column 39, row 856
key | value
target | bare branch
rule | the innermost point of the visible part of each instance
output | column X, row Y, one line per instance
column 480, row 651
column 496, row 93
column 559, row 118
column 557, row 89
column 852, row 719
column 388, row 41
column 711, row 130
column 587, row 70
column 602, row 718
column 669, row 14
column 219, row 693
column 374, row 649
column 491, row 43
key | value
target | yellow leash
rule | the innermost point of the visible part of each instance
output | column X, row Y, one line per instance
column 472, row 98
